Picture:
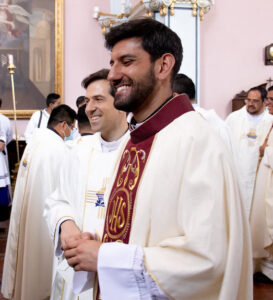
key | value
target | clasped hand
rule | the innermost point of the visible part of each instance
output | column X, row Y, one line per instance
column 80, row 249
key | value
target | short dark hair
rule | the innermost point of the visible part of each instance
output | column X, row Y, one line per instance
column 61, row 113
column 261, row 89
column 51, row 98
column 99, row 75
column 82, row 118
column 183, row 84
column 157, row 39
column 80, row 100
column 270, row 89
column 0, row 102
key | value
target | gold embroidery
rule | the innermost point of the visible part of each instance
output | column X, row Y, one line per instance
column 117, row 218
column 132, row 165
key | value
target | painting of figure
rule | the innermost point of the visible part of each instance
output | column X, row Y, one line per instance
column 27, row 31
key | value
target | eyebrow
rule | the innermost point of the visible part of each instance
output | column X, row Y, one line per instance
column 124, row 57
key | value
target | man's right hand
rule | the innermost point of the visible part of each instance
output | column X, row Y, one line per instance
column 69, row 231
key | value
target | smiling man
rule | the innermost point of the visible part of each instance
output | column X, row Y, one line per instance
column 249, row 127
column 77, row 208
column 174, row 226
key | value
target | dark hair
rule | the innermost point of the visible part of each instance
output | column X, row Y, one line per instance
column 270, row 89
column 183, row 84
column 99, row 75
column 61, row 113
column 80, row 100
column 261, row 89
column 157, row 39
column 52, row 98
column 82, row 118
column 0, row 102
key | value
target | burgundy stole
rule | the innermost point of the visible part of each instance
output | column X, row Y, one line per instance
column 121, row 202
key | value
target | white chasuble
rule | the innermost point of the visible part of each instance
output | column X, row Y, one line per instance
column 249, row 135
column 29, row 253
column 80, row 197
column 261, row 217
column 187, row 214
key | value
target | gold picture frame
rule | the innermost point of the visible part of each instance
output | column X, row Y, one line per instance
column 59, row 10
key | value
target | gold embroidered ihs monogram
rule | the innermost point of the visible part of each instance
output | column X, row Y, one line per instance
column 120, row 204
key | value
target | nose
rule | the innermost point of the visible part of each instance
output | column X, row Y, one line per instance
column 114, row 73
column 90, row 107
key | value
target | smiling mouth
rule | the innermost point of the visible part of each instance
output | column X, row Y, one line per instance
column 122, row 88
column 95, row 118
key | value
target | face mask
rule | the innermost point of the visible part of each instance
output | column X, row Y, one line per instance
column 70, row 137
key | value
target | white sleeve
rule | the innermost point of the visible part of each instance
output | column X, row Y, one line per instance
column 122, row 274
column 57, row 206
column 31, row 126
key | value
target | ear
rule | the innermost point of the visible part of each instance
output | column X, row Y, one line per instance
column 63, row 125
column 164, row 66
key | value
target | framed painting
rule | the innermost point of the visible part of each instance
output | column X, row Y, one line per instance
column 32, row 31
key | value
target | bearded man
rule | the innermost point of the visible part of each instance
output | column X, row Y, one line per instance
column 174, row 226
column 249, row 127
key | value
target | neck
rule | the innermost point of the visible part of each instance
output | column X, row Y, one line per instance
column 116, row 132
column 152, row 102
column 48, row 110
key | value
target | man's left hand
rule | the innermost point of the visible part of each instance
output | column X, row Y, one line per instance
column 82, row 255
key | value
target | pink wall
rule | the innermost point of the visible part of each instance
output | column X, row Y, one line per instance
column 233, row 37
column 84, row 50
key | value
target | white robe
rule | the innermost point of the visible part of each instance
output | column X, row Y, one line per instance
column 33, row 123
column 261, row 217
column 188, row 218
column 248, row 137
column 80, row 197
column 6, row 136
column 219, row 126
column 29, row 253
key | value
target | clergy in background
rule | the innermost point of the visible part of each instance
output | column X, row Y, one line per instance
column 29, row 253
column 249, row 127
column 261, row 216
column 78, row 205
column 175, row 227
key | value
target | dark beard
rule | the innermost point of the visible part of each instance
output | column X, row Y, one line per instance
column 140, row 92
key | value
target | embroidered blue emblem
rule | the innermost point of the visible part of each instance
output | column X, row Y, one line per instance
column 100, row 201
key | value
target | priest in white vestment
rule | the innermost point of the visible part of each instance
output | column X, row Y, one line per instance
column 175, row 227
column 249, row 127
column 261, row 216
column 78, row 204
column 29, row 252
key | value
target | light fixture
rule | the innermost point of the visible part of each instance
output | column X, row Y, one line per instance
column 106, row 20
